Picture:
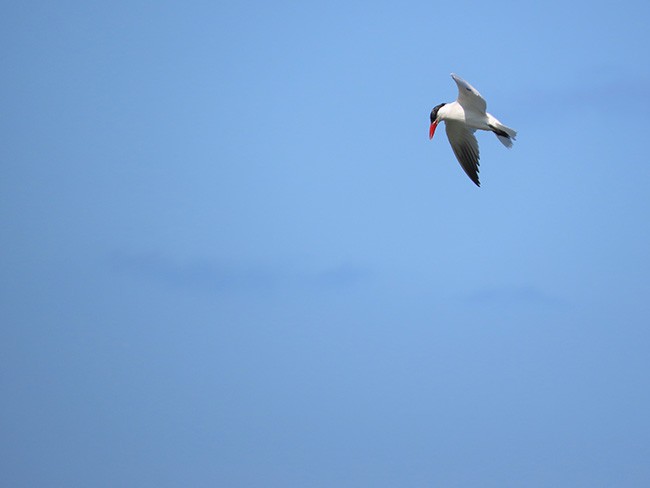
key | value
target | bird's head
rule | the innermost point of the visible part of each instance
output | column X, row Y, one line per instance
column 434, row 119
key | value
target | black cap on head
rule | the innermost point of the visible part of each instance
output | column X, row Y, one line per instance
column 434, row 112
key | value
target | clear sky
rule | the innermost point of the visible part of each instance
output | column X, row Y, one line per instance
column 231, row 257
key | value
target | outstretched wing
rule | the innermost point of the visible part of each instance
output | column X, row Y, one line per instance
column 468, row 96
column 465, row 147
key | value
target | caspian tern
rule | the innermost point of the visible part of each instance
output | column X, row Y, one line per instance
column 462, row 118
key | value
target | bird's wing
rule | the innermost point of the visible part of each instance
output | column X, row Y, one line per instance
column 468, row 96
column 465, row 147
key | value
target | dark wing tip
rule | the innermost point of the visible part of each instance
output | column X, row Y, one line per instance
column 469, row 161
column 465, row 148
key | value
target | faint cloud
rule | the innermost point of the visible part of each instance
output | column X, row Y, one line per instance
column 595, row 92
column 600, row 94
column 226, row 276
column 513, row 296
column 339, row 276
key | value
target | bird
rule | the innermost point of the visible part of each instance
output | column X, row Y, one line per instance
column 464, row 117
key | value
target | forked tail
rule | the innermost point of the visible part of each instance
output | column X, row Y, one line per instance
column 505, row 134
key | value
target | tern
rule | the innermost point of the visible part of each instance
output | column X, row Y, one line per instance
column 464, row 117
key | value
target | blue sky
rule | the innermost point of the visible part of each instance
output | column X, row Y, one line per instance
column 232, row 257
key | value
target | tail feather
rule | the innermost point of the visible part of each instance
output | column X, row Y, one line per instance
column 504, row 133
column 505, row 140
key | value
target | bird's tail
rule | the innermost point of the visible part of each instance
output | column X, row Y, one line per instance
column 504, row 133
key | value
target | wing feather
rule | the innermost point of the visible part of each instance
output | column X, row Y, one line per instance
column 465, row 147
column 468, row 96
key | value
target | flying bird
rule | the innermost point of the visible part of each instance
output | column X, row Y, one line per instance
column 462, row 118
